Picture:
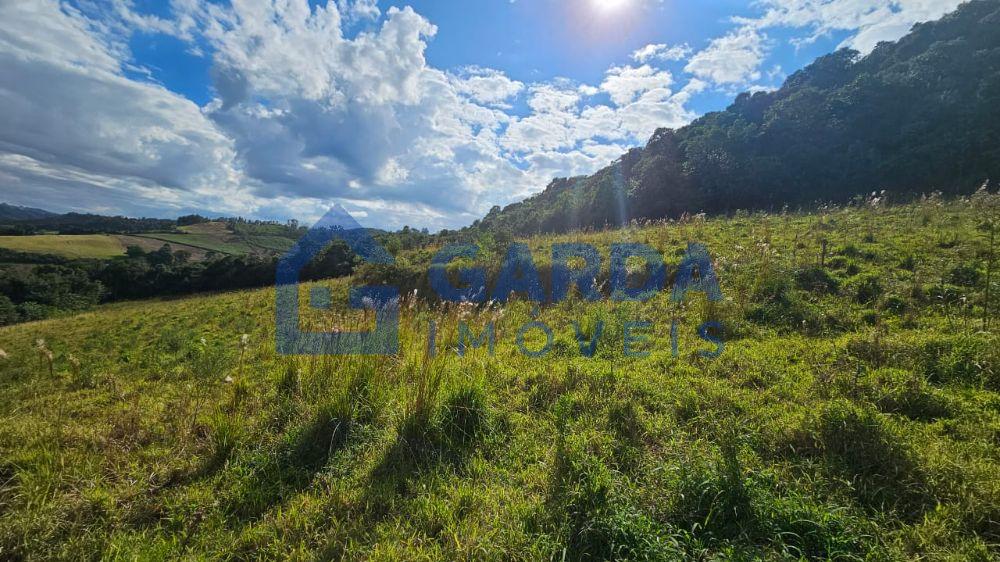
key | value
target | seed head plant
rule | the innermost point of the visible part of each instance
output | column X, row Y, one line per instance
column 45, row 355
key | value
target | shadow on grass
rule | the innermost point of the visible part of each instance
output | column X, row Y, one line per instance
column 446, row 435
column 431, row 439
column 273, row 477
column 858, row 443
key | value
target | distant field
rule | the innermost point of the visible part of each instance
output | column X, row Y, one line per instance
column 206, row 242
column 272, row 243
column 73, row 246
column 151, row 245
column 215, row 237
column 197, row 239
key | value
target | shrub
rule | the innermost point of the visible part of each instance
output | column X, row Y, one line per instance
column 817, row 280
column 895, row 304
column 867, row 289
column 725, row 502
column 8, row 312
column 289, row 382
column 227, row 432
column 964, row 275
column 837, row 262
column 780, row 306
column 440, row 434
column 961, row 359
column 850, row 251
column 899, row 392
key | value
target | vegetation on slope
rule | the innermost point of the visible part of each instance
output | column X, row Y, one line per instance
column 854, row 414
column 913, row 116
column 46, row 275
column 81, row 246
column 10, row 213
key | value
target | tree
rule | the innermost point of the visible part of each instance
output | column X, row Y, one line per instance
column 163, row 256
column 188, row 220
column 182, row 256
column 8, row 312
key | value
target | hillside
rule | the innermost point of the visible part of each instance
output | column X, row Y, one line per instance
column 79, row 246
column 217, row 236
column 14, row 213
column 854, row 413
column 912, row 117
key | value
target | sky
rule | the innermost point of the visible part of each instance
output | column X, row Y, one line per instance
column 423, row 113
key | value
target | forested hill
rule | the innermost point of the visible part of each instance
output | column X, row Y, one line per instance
column 9, row 213
column 917, row 115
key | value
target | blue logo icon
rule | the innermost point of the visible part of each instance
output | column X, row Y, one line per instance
column 337, row 224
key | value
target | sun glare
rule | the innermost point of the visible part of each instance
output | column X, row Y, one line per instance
column 608, row 5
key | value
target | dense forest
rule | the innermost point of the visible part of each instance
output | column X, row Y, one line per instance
column 914, row 116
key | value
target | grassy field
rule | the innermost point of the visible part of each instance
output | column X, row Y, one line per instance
column 215, row 237
column 198, row 240
column 72, row 246
column 854, row 414
column 151, row 245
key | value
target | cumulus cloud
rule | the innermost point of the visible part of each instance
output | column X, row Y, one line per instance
column 562, row 128
column 336, row 102
column 662, row 52
column 871, row 21
column 303, row 115
column 486, row 85
column 318, row 115
column 359, row 10
column 69, row 116
column 624, row 83
column 734, row 58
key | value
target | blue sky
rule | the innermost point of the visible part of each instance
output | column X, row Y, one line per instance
column 531, row 41
column 423, row 113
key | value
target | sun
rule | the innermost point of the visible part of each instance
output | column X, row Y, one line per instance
column 608, row 5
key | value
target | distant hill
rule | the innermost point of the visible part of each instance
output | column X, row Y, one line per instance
column 14, row 213
column 82, row 223
column 914, row 116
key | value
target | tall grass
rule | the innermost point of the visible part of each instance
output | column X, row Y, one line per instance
column 852, row 415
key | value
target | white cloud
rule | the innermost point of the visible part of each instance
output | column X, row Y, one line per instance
column 303, row 116
column 359, row 10
column 69, row 117
column 372, row 119
column 624, row 83
column 560, row 126
column 734, row 58
column 870, row 21
column 486, row 85
column 662, row 52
